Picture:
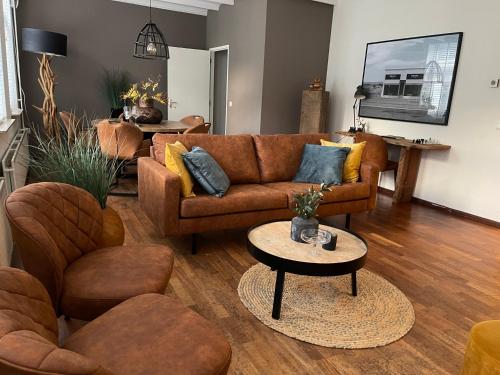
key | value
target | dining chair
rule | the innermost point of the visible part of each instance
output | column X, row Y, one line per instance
column 199, row 129
column 193, row 120
column 125, row 142
column 376, row 151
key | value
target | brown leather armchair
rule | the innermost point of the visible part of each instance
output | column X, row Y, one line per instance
column 123, row 141
column 150, row 334
column 56, row 228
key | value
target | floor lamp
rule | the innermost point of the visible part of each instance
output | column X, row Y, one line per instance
column 48, row 44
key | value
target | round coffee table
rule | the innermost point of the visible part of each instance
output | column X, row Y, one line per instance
column 271, row 245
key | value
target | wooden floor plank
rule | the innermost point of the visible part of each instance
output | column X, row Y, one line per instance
column 447, row 266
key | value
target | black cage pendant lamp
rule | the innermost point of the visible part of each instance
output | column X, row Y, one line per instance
column 150, row 43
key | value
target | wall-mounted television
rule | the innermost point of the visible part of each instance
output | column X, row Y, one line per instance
column 411, row 79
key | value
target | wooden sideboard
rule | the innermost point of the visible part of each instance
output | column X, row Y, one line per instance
column 408, row 165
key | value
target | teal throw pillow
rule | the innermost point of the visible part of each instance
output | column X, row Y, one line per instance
column 322, row 164
column 206, row 171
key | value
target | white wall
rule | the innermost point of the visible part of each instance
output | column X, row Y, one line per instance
column 467, row 178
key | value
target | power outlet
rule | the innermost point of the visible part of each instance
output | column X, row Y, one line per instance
column 495, row 83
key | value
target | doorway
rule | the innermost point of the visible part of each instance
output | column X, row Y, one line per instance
column 219, row 66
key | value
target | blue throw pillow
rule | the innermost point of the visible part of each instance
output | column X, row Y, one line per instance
column 206, row 171
column 322, row 164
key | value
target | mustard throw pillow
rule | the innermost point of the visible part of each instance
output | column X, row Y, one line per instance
column 175, row 164
column 352, row 162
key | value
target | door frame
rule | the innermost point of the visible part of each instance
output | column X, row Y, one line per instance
column 212, row 81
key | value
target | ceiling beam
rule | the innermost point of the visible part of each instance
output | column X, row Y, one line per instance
column 331, row 2
column 167, row 6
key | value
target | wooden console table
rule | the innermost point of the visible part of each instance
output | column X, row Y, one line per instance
column 409, row 163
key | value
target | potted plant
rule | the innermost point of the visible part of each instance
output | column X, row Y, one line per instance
column 114, row 84
column 145, row 94
column 305, row 205
column 78, row 161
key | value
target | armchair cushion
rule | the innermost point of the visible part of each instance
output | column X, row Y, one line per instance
column 104, row 278
column 173, row 339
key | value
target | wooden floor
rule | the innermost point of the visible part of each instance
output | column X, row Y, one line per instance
column 448, row 267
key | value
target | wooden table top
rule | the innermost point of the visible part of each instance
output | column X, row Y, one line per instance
column 403, row 142
column 165, row 126
column 274, row 238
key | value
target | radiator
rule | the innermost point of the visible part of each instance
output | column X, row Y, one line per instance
column 16, row 161
column 15, row 170
column 5, row 236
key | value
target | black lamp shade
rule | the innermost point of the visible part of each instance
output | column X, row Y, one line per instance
column 41, row 41
column 360, row 93
column 150, row 44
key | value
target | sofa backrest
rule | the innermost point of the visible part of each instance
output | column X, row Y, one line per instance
column 279, row 156
column 234, row 153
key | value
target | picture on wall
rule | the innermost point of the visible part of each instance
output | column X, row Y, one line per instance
column 411, row 79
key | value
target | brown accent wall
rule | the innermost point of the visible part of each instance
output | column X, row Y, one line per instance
column 297, row 46
column 101, row 34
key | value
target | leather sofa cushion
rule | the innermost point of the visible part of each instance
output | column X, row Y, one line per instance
column 172, row 340
column 234, row 153
column 341, row 193
column 239, row 198
column 279, row 156
column 106, row 277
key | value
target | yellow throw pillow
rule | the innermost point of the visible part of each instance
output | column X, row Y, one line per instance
column 352, row 162
column 175, row 164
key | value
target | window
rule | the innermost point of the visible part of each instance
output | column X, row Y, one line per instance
column 413, row 90
column 391, row 90
column 9, row 79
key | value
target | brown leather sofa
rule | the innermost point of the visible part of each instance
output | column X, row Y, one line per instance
column 261, row 169
column 56, row 229
column 151, row 334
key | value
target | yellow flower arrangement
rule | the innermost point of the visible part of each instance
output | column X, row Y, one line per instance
column 146, row 90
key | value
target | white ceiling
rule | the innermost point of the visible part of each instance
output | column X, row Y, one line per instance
column 200, row 7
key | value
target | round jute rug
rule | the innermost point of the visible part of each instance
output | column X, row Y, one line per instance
column 322, row 311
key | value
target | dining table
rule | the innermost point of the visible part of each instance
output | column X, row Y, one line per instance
column 166, row 126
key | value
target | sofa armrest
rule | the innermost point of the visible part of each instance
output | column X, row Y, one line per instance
column 159, row 195
column 370, row 173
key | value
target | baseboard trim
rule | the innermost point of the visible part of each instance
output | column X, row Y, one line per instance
column 448, row 210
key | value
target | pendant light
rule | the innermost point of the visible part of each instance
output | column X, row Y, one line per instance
column 150, row 43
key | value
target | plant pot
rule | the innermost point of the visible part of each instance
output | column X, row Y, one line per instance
column 299, row 224
column 147, row 113
column 116, row 112
column 113, row 232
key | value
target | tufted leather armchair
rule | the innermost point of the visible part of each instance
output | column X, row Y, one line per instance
column 56, row 228
column 150, row 334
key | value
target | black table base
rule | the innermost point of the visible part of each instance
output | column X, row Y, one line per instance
column 280, row 283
